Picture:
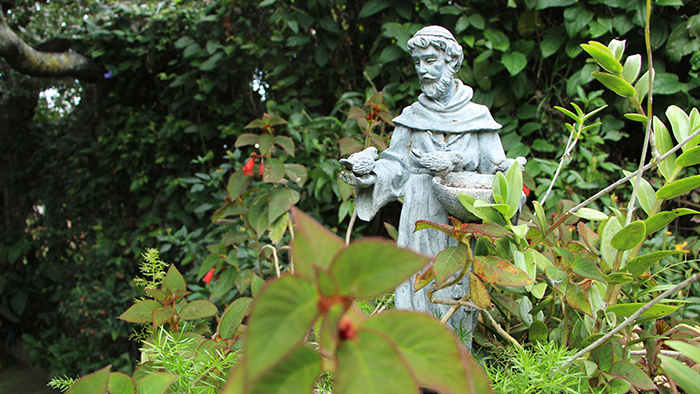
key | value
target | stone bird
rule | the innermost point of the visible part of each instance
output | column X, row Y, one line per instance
column 361, row 163
column 439, row 162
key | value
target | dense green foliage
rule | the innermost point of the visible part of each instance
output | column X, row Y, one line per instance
column 144, row 158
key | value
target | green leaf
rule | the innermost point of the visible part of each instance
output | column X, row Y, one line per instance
column 265, row 143
column 224, row 284
column 646, row 194
column 680, row 124
column 538, row 332
column 689, row 158
column 431, row 351
column 390, row 53
column 604, row 58
column 630, row 236
column 295, row 173
column 588, row 269
column 369, row 364
column 313, row 245
column 690, row 351
column 683, row 375
column 233, row 316
column 500, row 272
column 590, row 214
column 449, row 261
column 498, row 39
column 281, row 199
column 640, row 264
column 618, row 278
column 94, row 383
column 577, row 297
column 514, row 62
column 633, row 65
column 198, row 309
column 372, row 7
column 246, row 139
column 611, row 228
column 281, row 317
column 633, row 374
column 658, row 310
column 370, row 267
column 173, row 280
column 285, row 143
column 637, row 117
column 121, row 383
column 616, row 84
column 296, row 374
column 678, row 187
column 256, row 285
column 238, row 183
column 140, row 312
column 664, row 143
column 619, row 386
column 642, row 86
column 274, row 170
column 155, row 383
column 568, row 113
column 160, row 316
column 514, row 176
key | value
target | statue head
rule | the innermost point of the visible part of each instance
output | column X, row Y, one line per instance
column 437, row 57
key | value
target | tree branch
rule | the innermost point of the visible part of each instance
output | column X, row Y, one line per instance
column 27, row 60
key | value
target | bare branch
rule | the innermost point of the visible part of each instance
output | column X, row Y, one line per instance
column 27, row 60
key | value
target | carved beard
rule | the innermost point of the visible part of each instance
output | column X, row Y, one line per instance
column 437, row 89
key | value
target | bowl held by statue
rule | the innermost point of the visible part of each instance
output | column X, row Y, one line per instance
column 473, row 184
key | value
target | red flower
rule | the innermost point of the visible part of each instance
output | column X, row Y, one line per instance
column 248, row 167
column 526, row 190
column 208, row 277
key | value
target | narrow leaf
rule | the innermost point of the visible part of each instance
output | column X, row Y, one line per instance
column 640, row 264
column 678, row 187
column 658, row 310
column 661, row 219
column 689, row 158
column 616, row 84
column 604, row 58
column 683, row 375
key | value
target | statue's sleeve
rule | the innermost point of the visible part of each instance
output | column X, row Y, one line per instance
column 491, row 154
column 392, row 171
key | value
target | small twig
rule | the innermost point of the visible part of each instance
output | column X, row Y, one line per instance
column 350, row 226
column 680, row 326
column 274, row 255
column 631, row 319
column 567, row 154
column 471, row 305
column 291, row 241
column 664, row 352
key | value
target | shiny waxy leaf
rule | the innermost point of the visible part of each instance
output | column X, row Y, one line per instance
column 370, row 267
column 678, row 187
column 640, row 264
column 313, row 244
column 633, row 65
column 630, row 236
column 93, row 383
column 369, row 364
column 448, row 262
column 655, row 311
column 664, row 143
column 432, row 351
column 616, row 84
column 590, row 214
column 661, row 219
column 197, row 309
column 500, row 272
column 680, row 124
column 232, row 317
column 689, row 158
column 603, row 57
column 684, row 376
column 155, row 383
column 280, row 319
column 646, row 193
column 633, row 374
column 296, row 374
column 120, row 383
column 140, row 312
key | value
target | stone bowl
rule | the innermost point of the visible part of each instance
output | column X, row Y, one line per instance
column 470, row 183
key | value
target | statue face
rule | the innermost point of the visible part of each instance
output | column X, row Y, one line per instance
column 434, row 73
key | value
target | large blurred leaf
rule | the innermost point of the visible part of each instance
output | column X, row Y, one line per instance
column 369, row 364
column 370, row 267
column 94, row 383
column 683, row 375
column 296, row 374
column 120, row 383
column 281, row 317
column 429, row 349
column 155, row 383
column 313, row 244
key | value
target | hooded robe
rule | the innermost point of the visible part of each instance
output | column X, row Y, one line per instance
column 460, row 126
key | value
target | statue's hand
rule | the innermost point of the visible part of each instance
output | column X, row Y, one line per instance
column 361, row 163
column 358, row 181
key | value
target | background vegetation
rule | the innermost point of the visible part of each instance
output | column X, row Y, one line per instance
column 93, row 173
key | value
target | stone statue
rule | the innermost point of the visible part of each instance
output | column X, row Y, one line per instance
column 443, row 132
